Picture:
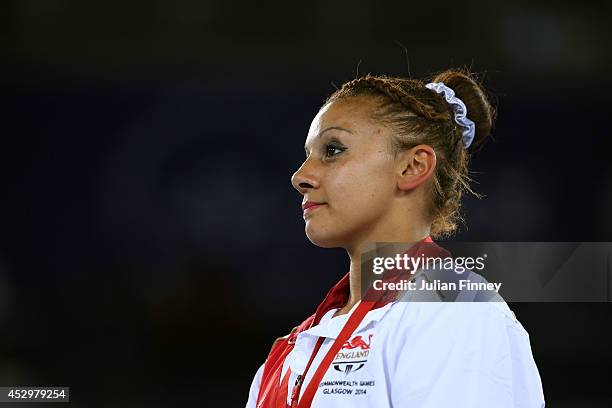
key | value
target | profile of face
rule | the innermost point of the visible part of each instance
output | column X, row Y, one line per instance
column 350, row 172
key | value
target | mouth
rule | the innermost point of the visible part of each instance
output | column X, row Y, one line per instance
column 309, row 207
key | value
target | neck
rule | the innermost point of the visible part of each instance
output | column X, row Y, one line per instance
column 354, row 254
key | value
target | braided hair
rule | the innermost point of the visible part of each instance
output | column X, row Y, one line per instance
column 419, row 115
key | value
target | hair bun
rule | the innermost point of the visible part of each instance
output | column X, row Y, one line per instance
column 479, row 108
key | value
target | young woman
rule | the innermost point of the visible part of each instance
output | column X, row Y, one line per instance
column 387, row 161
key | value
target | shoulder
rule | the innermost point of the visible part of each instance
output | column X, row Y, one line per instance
column 452, row 294
column 438, row 324
column 479, row 348
column 432, row 315
column 462, row 354
column 455, row 335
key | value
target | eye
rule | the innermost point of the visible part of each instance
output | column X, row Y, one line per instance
column 333, row 149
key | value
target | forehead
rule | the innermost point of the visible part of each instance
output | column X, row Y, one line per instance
column 349, row 110
column 353, row 114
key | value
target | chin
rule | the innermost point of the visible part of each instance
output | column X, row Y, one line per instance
column 323, row 238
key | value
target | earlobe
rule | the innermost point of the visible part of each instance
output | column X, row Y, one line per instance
column 417, row 166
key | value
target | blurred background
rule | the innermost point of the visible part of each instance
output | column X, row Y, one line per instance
column 151, row 244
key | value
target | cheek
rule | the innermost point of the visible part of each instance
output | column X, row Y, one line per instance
column 359, row 193
column 362, row 187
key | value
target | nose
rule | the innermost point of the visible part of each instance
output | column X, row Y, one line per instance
column 304, row 179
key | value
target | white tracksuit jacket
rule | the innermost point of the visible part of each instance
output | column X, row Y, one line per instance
column 421, row 355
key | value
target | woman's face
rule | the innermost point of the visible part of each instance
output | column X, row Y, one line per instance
column 350, row 170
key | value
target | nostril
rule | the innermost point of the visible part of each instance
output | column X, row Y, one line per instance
column 305, row 185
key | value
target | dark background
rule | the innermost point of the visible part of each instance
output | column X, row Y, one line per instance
column 152, row 246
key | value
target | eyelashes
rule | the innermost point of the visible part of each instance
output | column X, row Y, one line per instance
column 333, row 148
column 330, row 150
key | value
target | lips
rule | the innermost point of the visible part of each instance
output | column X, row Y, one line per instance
column 310, row 206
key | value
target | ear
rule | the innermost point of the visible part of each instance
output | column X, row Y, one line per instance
column 415, row 166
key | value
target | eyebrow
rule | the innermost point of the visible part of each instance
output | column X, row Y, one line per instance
column 329, row 128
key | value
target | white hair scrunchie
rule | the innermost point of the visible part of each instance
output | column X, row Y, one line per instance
column 460, row 110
